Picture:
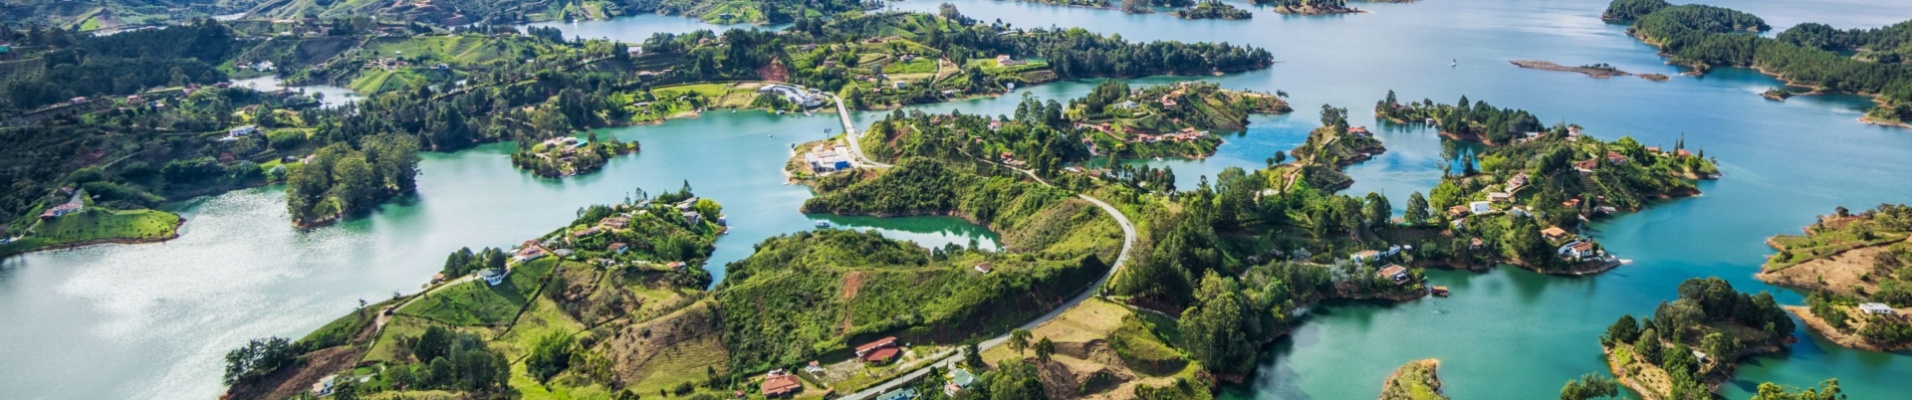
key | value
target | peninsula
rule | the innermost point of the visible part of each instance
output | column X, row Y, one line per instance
column 1858, row 269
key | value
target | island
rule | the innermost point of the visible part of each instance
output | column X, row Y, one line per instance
column 1311, row 7
column 1776, row 94
column 1596, row 71
column 1213, row 9
column 1814, row 56
column 1415, row 380
column 1857, row 268
column 1690, row 346
column 559, row 157
column 1532, row 187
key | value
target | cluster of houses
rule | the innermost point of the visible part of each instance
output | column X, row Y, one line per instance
column 807, row 98
column 1010, row 159
column 1393, row 272
column 1186, row 134
column 827, row 158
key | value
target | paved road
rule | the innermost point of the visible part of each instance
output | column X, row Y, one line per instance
column 849, row 134
column 949, row 358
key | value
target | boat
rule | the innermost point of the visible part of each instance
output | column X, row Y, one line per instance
column 1439, row 291
column 823, row 224
column 1158, row 159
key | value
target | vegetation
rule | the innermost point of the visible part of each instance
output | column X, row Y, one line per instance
column 1810, row 55
column 1859, row 255
column 1213, row 9
column 555, row 158
column 1697, row 340
column 340, row 179
column 1414, row 381
column 1310, row 7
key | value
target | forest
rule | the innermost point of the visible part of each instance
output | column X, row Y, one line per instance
column 1694, row 343
column 341, row 179
column 1704, row 37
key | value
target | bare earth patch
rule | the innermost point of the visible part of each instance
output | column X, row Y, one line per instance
column 1839, row 273
column 1849, row 340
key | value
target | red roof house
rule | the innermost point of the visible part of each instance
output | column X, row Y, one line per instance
column 780, row 385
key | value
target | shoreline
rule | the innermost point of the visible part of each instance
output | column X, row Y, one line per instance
column 1825, row 330
column 100, row 241
column 1595, row 73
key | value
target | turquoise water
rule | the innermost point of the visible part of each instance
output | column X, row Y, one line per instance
column 150, row 321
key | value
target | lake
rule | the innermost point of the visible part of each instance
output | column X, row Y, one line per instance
column 152, row 321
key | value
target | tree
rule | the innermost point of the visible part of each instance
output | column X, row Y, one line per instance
column 973, row 357
column 549, row 356
column 1044, row 349
column 431, row 345
column 1827, row 390
column 258, row 358
column 1377, row 210
column 1417, row 212
column 1590, row 386
column 1019, row 340
column 1623, row 331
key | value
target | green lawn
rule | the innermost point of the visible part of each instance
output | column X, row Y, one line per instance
column 470, row 303
column 97, row 224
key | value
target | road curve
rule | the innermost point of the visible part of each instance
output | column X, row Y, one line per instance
column 946, row 359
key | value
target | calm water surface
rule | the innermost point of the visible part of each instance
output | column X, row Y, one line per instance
column 151, row 321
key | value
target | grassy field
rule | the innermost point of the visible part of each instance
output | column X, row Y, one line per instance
column 97, row 224
column 475, row 303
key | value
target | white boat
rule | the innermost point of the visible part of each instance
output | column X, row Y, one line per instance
column 823, row 224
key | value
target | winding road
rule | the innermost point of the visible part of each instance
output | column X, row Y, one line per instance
column 949, row 358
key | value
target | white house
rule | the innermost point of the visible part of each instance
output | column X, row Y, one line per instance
column 492, row 276
column 1480, row 207
column 247, row 130
column 1876, row 308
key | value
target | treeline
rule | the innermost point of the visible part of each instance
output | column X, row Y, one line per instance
column 1628, row 10
column 340, row 179
column 1891, row 44
column 1476, row 121
column 80, row 65
column 553, row 160
column 1705, row 36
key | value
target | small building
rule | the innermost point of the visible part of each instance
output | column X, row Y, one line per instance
column 1475, row 243
column 619, row 247
column 323, row 387
column 1438, row 291
column 62, row 210
column 958, row 380
column 1518, row 180
column 529, row 253
column 1457, row 211
column 692, row 217
column 1553, row 233
column 1586, row 166
column 1682, row 153
column 1499, row 197
column 984, row 268
column 780, row 384
column 1395, row 272
column 585, row 232
column 1360, row 130
column 1364, row 256
column 1578, row 251
column 561, row 252
column 1573, row 203
column 867, row 348
column 1480, row 207
column 899, row 394
column 1876, row 309
column 1126, row 105
column 615, row 222
column 676, row 265
column 492, row 276
column 1616, row 158
column 1004, row 60
column 242, row 131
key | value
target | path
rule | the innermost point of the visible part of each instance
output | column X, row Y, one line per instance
column 949, row 358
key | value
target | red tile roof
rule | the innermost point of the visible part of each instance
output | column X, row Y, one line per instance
column 882, row 355
column 781, row 385
column 879, row 343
